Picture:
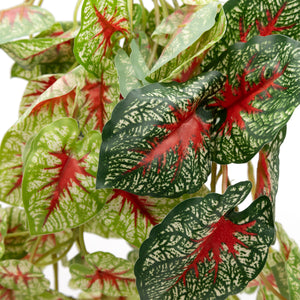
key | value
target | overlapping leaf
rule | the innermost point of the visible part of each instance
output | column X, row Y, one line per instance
column 23, row 20
column 29, row 53
column 132, row 217
column 260, row 94
column 59, row 178
column 187, row 46
column 251, row 18
column 22, row 277
column 157, row 135
column 101, row 22
column 3, row 230
column 104, row 273
column 204, row 249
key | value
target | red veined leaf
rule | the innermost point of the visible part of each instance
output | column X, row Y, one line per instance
column 203, row 249
column 28, row 20
column 63, row 178
column 104, row 273
column 22, row 276
column 158, row 133
column 258, row 98
column 101, row 21
column 246, row 21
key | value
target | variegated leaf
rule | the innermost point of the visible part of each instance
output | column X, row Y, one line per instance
column 132, row 217
column 260, row 94
column 204, row 249
column 59, row 178
column 256, row 17
column 16, row 234
column 101, row 21
column 23, row 20
column 196, row 22
column 31, row 52
column 3, row 230
column 22, row 277
column 104, row 273
column 157, row 140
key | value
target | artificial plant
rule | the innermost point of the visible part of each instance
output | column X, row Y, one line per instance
column 128, row 121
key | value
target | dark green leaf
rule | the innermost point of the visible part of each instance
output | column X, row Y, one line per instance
column 204, row 249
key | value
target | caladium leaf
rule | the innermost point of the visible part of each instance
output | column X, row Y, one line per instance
column 59, row 178
column 22, row 277
column 132, row 217
column 157, row 134
column 3, row 230
column 15, row 246
column 104, row 273
column 101, row 21
column 18, row 71
column 34, row 89
column 31, row 52
column 268, row 168
column 23, row 20
column 247, row 21
column 196, row 23
column 260, row 94
column 204, row 249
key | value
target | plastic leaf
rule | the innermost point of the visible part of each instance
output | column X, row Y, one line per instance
column 251, row 18
column 157, row 134
column 132, row 217
column 3, row 230
column 23, row 20
column 101, row 21
column 259, row 96
column 22, row 277
column 31, row 52
column 104, row 273
column 204, row 249
column 59, row 178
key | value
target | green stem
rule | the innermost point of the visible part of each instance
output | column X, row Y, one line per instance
column 213, row 181
column 81, row 243
column 224, row 178
column 55, row 271
column 270, row 287
column 40, row 3
column 144, row 16
column 176, row 5
column 34, row 248
column 164, row 8
column 17, row 234
column 130, row 10
column 75, row 23
column 251, row 178
column 69, row 242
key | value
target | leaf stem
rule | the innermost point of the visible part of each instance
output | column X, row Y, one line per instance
column 75, row 24
column 164, row 8
column 224, row 178
column 81, row 243
column 176, row 5
column 34, row 248
column 17, row 234
column 251, row 178
column 213, row 181
column 144, row 16
column 130, row 10
column 55, row 272
column 270, row 287
column 40, row 3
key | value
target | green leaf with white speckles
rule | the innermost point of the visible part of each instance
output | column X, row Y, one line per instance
column 59, row 178
column 158, row 134
column 104, row 273
column 102, row 21
column 23, row 20
column 204, row 249
column 22, row 277
column 3, row 230
column 260, row 94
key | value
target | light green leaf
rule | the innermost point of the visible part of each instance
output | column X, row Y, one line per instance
column 3, row 230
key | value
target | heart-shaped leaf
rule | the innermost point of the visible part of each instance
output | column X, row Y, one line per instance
column 59, row 178
column 260, row 94
column 251, row 18
column 204, row 249
column 23, row 20
column 157, row 135
column 104, row 273
column 22, row 277
column 101, row 21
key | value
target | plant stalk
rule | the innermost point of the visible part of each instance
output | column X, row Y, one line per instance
column 55, row 272
column 213, row 181
column 251, row 178
column 34, row 248
column 75, row 23
column 270, row 287
column 224, row 178
column 81, row 243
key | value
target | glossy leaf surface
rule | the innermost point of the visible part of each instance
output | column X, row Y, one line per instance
column 204, row 249
column 23, row 20
column 259, row 96
column 156, row 134
column 101, row 21
column 59, row 178
column 104, row 273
